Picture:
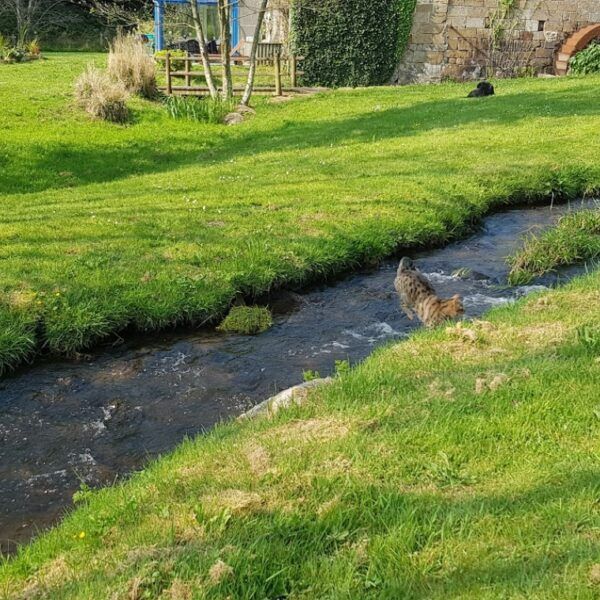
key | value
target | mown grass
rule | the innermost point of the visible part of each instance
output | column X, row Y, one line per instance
column 575, row 239
column 165, row 221
column 462, row 463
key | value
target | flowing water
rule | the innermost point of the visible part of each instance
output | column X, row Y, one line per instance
column 63, row 422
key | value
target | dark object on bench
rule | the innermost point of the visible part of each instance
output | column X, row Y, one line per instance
column 484, row 88
column 192, row 46
column 212, row 48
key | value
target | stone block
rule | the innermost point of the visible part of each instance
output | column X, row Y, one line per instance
column 434, row 58
column 531, row 25
column 475, row 23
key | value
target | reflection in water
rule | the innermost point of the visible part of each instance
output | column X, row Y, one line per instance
column 63, row 422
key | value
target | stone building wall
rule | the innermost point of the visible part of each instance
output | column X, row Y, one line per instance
column 466, row 39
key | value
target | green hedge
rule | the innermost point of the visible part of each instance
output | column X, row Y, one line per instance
column 351, row 42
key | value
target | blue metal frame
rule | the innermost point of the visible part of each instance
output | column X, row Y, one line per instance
column 159, row 20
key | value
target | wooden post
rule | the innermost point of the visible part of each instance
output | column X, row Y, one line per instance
column 293, row 75
column 277, row 61
column 188, row 68
column 168, row 72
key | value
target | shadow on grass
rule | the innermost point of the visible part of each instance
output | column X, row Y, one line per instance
column 59, row 166
column 401, row 525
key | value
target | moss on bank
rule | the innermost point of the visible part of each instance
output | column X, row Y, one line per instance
column 247, row 320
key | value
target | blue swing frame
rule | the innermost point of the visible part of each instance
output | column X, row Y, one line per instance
column 159, row 20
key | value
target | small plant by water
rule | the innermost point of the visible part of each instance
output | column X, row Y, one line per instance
column 247, row 320
column 206, row 110
column 576, row 238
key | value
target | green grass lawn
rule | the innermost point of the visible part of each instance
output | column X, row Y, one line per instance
column 462, row 463
column 162, row 222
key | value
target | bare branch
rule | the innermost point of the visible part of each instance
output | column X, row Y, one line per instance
column 210, row 82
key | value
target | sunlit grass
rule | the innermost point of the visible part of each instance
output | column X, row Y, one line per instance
column 164, row 221
column 456, row 464
column 575, row 239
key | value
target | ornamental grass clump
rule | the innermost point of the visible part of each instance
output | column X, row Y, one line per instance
column 206, row 110
column 130, row 64
column 100, row 96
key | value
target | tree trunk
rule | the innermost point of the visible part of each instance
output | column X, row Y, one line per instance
column 210, row 82
column 250, row 82
column 224, row 9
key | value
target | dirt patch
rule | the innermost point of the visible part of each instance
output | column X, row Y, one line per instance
column 49, row 576
column 22, row 299
column 441, row 390
column 491, row 383
column 258, row 459
column 178, row 590
column 235, row 501
column 219, row 571
column 311, row 430
column 594, row 575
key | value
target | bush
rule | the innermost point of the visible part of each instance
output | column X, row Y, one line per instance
column 34, row 49
column 247, row 320
column 177, row 57
column 351, row 42
column 587, row 61
column 100, row 96
column 12, row 54
column 130, row 64
column 207, row 110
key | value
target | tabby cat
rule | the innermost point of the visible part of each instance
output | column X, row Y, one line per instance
column 418, row 296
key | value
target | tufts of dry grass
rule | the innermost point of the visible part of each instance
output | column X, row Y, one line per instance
column 130, row 64
column 100, row 96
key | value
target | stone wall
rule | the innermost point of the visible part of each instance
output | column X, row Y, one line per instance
column 467, row 39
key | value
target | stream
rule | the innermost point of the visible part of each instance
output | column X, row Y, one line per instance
column 64, row 422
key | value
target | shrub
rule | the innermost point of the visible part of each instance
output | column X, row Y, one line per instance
column 100, row 96
column 247, row 320
column 351, row 42
column 130, row 64
column 587, row 61
column 12, row 55
column 208, row 110
column 177, row 57
column 34, row 49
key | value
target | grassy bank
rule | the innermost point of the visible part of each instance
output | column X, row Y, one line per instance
column 575, row 239
column 462, row 463
column 162, row 222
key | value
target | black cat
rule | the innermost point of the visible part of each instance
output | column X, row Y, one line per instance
column 484, row 88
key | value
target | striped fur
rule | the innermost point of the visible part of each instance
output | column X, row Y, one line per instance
column 418, row 297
